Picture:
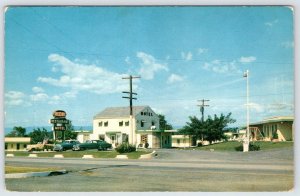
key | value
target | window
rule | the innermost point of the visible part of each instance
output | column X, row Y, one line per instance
column 120, row 123
column 142, row 113
column 18, row 146
column 178, row 141
column 124, row 137
column 142, row 123
column 5, row 146
column 106, row 124
column 127, row 123
column 152, row 123
column 100, row 124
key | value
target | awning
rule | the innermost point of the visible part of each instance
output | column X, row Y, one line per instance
column 112, row 132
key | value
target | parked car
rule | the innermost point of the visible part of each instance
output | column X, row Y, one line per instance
column 103, row 145
column 66, row 145
column 92, row 144
column 40, row 146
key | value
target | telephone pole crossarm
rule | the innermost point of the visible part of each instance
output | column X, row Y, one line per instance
column 202, row 107
column 129, row 96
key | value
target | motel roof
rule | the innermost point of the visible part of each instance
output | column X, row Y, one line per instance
column 275, row 120
column 119, row 112
column 17, row 139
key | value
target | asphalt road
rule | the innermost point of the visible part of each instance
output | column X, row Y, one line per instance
column 171, row 170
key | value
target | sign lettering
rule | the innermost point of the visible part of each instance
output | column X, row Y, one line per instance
column 59, row 114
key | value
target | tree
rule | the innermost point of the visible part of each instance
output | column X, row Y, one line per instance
column 69, row 133
column 163, row 124
column 211, row 129
column 194, row 128
column 17, row 132
column 38, row 135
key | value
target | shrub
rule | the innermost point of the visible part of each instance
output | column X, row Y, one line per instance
column 125, row 148
column 199, row 144
column 275, row 135
column 146, row 145
column 252, row 147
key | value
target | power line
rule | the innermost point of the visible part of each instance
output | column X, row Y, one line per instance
column 37, row 35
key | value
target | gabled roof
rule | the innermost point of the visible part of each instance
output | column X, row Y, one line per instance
column 119, row 112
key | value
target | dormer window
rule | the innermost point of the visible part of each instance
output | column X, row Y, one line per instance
column 100, row 124
column 127, row 123
column 120, row 123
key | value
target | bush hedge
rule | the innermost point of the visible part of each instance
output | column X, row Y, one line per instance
column 125, row 148
column 252, row 147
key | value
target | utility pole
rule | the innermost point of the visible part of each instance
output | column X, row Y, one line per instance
column 202, row 111
column 202, row 108
column 132, row 139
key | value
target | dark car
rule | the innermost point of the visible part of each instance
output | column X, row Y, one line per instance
column 66, row 145
column 92, row 144
column 103, row 145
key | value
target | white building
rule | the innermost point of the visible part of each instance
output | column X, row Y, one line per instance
column 115, row 126
column 83, row 135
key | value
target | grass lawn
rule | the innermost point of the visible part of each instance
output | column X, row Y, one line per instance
column 13, row 169
column 79, row 154
column 230, row 146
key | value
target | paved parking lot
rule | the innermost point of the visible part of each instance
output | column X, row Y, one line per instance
column 171, row 170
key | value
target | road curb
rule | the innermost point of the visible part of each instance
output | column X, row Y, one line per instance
column 88, row 156
column 121, row 156
column 35, row 174
column 148, row 156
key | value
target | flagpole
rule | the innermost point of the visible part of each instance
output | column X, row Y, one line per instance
column 247, row 139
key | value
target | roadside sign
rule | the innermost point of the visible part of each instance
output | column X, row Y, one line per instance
column 59, row 121
column 59, row 128
column 59, row 114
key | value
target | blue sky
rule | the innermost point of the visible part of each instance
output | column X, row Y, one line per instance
column 74, row 58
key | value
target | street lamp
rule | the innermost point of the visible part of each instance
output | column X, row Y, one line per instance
column 247, row 139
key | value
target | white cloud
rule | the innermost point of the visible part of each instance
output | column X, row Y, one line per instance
column 271, row 23
column 280, row 107
column 127, row 60
column 174, row 78
column 37, row 89
column 257, row 107
column 202, row 50
column 14, row 95
column 287, row 44
column 82, row 77
column 149, row 66
column 186, row 56
column 248, row 59
column 15, row 98
column 39, row 97
column 222, row 67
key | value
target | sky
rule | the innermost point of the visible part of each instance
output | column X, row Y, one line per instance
column 74, row 58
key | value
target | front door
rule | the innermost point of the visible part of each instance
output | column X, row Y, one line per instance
column 113, row 139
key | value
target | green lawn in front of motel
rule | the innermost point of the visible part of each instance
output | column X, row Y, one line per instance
column 79, row 154
column 231, row 145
